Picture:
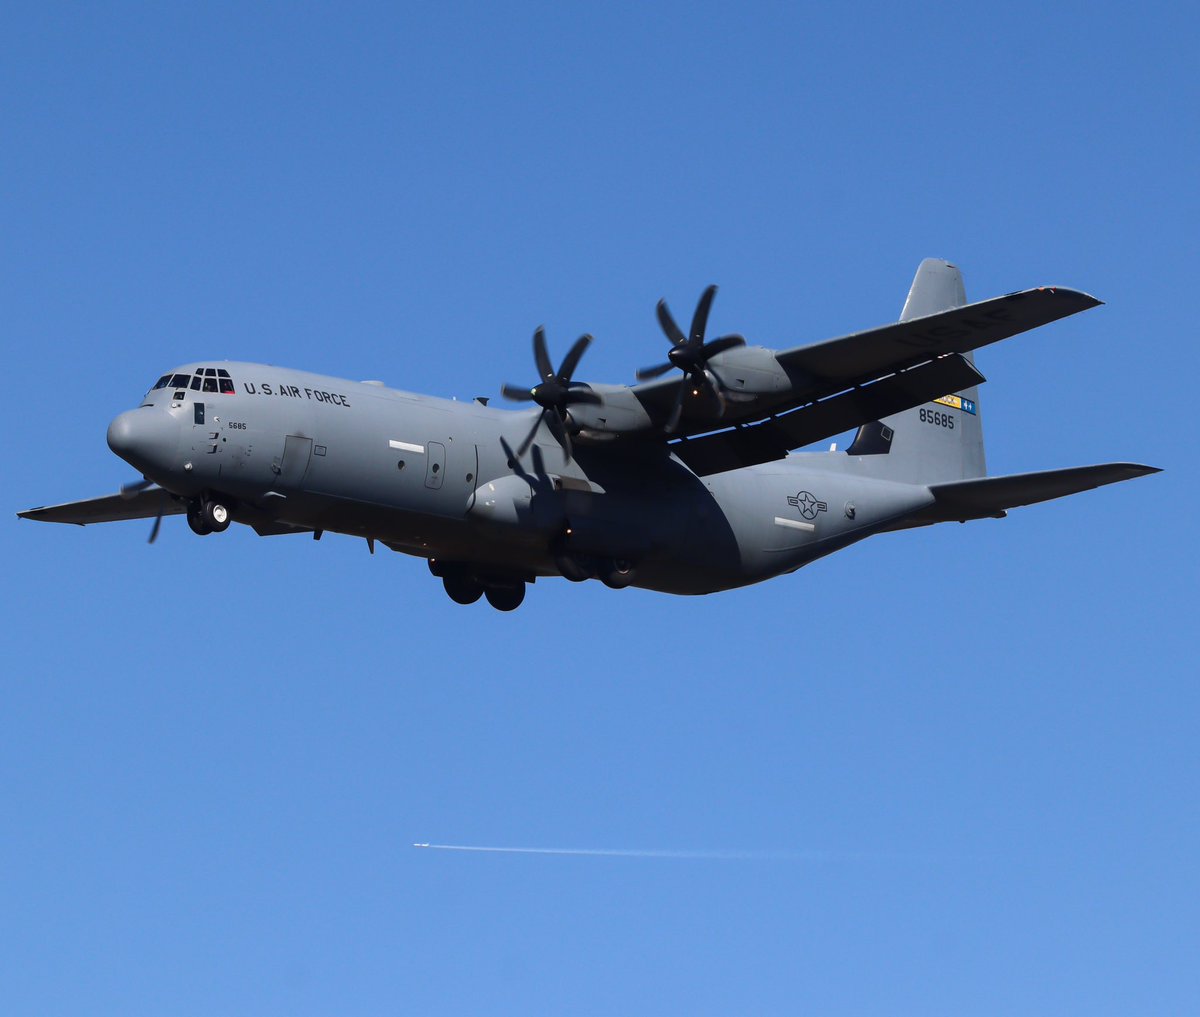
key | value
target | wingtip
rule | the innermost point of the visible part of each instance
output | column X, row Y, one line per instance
column 1136, row 470
column 1085, row 299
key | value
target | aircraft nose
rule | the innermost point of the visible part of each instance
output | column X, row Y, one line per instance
column 145, row 438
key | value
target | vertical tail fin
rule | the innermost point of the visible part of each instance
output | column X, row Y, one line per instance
column 938, row 441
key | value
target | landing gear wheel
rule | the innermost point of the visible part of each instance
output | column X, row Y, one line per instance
column 462, row 589
column 216, row 515
column 571, row 568
column 617, row 574
column 507, row 597
column 196, row 520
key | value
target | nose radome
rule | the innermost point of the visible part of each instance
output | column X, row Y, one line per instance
column 145, row 438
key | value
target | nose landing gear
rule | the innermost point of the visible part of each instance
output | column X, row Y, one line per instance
column 209, row 515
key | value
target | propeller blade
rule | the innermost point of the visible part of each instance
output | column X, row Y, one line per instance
column 154, row 530
column 541, row 356
column 571, row 360
column 726, row 342
column 668, row 324
column 577, row 396
column 646, row 373
column 516, row 394
column 524, row 446
column 558, row 428
column 700, row 318
column 677, row 409
column 135, row 487
column 717, row 389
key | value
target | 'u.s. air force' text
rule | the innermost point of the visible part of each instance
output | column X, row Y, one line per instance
column 295, row 392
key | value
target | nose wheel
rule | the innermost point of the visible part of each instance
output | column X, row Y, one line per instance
column 209, row 515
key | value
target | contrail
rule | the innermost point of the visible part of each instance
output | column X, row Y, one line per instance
column 730, row 855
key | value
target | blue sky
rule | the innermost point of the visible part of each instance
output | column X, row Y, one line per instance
column 978, row 743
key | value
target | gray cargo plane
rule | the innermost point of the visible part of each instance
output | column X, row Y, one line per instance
column 684, row 483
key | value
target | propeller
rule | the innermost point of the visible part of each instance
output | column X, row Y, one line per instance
column 132, row 490
column 135, row 487
column 691, row 355
column 555, row 393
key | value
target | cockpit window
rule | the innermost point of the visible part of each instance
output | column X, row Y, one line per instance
column 204, row 379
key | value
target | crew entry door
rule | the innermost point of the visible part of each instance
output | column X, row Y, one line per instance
column 450, row 470
column 206, row 430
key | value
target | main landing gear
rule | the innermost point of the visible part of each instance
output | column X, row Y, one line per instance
column 208, row 515
column 465, row 586
column 615, row 573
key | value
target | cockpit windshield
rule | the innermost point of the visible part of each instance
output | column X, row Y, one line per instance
column 206, row 379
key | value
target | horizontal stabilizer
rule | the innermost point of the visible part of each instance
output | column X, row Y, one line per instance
column 985, row 497
column 145, row 504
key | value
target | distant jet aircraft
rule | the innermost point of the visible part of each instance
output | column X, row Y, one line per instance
column 682, row 483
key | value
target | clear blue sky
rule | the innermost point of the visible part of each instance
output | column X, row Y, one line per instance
column 215, row 754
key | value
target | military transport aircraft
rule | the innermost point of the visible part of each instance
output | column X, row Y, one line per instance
column 683, row 483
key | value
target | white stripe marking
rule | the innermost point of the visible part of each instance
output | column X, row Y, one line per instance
column 795, row 524
column 405, row 446
column 625, row 853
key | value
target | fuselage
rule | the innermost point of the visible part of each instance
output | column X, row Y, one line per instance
column 438, row 479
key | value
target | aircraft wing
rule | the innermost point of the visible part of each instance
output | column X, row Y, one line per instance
column 772, row 439
column 882, row 350
column 145, row 504
column 991, row 497
column 833, row 386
